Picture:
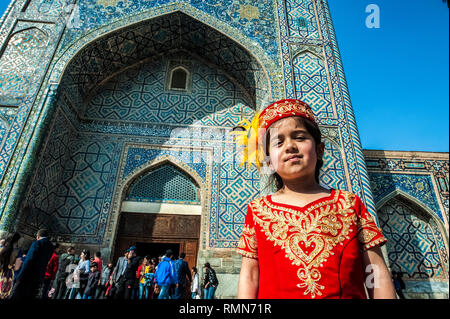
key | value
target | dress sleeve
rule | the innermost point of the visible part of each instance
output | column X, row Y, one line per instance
column 369, row 234
column 248, row 246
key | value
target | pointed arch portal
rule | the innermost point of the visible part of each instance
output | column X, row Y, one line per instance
column 161, row 209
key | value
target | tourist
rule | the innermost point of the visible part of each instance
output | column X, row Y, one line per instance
column 72, row 279
column 104, row 278
column 31, row 274
column 99, row 261
column 182, row 270
column 80, row 275
column 304, row 241
column 50, row 272
column 195, row 284
column 145, row 274
column 92, row 283
column 154, row 264
column 165, row 276
column 61, row 275
column 117, row 275
column 128, row 282
column 9, row 253
column 210, row 282
column 24, row 246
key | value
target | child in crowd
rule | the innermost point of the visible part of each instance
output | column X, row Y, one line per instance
column 195, row 284
column 92, row 283
column 145, row 274
column 304, row 241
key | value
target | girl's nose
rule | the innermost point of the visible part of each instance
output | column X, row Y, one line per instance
column 290, row 146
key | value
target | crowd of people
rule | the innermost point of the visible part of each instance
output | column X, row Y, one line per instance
column 44, row 271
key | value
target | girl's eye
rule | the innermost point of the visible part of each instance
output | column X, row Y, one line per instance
column 276, row 142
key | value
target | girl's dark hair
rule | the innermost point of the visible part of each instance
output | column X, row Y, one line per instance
column 8, row 248
column 86, row 253
column 194, row 269
column 317, row 136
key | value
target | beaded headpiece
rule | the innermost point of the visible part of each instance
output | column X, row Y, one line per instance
column 251, row 133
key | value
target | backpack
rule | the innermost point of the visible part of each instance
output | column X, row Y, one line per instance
column 63, row 263
column 148, row 279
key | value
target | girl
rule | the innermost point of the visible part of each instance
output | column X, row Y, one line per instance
column 144, row 275
column 195, row 284
column 305, row 241
column 80, row 275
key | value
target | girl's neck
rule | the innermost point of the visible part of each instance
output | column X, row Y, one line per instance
column 301, row 187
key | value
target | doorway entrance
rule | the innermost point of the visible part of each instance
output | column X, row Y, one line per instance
column 157, row 249
column 153, row 234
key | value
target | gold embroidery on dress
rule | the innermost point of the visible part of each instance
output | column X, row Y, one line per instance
column 248, row 241
column 307, row 238
column 368, row 230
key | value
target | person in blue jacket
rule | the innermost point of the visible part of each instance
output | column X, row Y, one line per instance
column 32, row 272
column 165, row 276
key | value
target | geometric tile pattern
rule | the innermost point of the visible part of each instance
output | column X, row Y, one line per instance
column 418, row 186
column 301, row 19
column 332, row 173
column 424, row 176
column 139, row 95
column 19, row 62
column 174, row 185
column 238, row 186
column 240, row 14
column 71, row 183
column 151, row 39
column 415, row 244
column 3, row 129
column 312, row 84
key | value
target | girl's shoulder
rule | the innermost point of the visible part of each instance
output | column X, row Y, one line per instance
column 258, row 201
column 348, row 195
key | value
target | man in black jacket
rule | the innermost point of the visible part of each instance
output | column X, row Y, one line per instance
column 128, row 280
column 32, row 272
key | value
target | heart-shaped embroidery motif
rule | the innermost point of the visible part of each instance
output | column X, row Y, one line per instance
column 306, row 250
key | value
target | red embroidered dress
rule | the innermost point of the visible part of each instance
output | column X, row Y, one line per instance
column 313, row 251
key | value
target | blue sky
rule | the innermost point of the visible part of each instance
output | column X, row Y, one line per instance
column 398, row 74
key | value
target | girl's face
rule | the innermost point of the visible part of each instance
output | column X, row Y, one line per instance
column 292, row 150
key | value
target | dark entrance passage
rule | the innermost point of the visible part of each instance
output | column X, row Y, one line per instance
column 157, row 249
column 153, row 234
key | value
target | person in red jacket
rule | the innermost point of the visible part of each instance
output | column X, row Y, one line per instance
column 50, row 272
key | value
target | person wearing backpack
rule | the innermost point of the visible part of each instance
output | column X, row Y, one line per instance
column 61, row 275
column 210, row 283
column 165, row 276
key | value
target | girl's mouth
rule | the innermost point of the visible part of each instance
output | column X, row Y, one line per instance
column 293, row 158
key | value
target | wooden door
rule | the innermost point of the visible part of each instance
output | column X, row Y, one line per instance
column 139, row 228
